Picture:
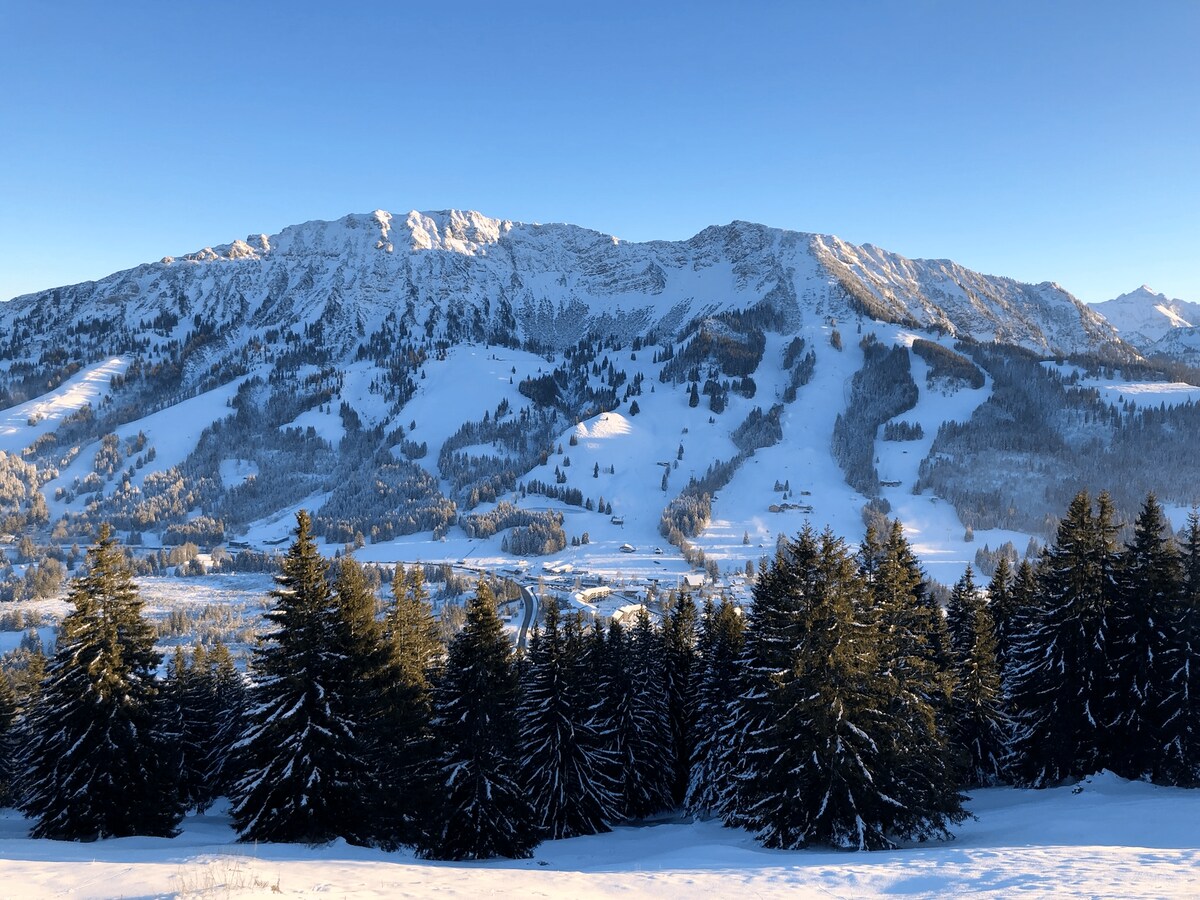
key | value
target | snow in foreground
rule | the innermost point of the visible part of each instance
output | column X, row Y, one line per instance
column 1112, row 838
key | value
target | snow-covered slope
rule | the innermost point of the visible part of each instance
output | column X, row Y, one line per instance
column 1145, row 318
column 1104, row 838
column 943, row 294
column 462, row 273
column 1182, row 344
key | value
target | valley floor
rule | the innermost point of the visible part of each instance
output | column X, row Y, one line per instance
column 1105, row 838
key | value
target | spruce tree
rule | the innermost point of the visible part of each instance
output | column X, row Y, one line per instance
column 100, row 760
column 915, row 660
column 772, row 634
column 189, row 686
column 1023, row 600
column 26, row 669
column 1141, row 614
column 302, row 760
column 1002, row 605
column 356, row 683
column 229, row 699
column 8, row 741
column 1179, row 713
column 722, row 640
column 484, row 812
column 825, row 767
column 681, row 660
column 979, row 724
column 635, row 718
column 405, row 752
column 564, row 769
column 1058, row 685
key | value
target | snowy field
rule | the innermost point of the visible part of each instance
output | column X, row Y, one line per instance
column 1110, row 839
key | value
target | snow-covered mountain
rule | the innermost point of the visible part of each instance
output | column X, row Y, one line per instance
column 458, row 274
column 1154, row 323
column 449, row 386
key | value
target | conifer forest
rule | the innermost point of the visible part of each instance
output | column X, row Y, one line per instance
column 850, row 705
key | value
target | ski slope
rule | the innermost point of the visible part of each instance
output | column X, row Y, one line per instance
column 172, row 432
column 618, row 456
column 24, row 423
column 1108, row 838
column 621, row 457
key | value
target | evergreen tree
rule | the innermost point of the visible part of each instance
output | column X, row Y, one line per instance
column 771, row 636
column 1179, row 713
column 915, row 661
column 26, row 669
column 189, row 687
column 979, row 725
column 405, row 757
column 100, row 760
column 1058, row 684
column 303, row 761
column 563, row 767
column 635, row 718
column 680, row 672
column 827, row 766
column 8, row 741
column 1146, row 601
column 1002, row 605
column 229, row 699
column 592, row 673
column 485, row 812
column 356, row 683
column 722, row 639
column 1023, row 599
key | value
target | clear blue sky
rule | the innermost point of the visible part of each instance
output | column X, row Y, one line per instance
column 1045, row 141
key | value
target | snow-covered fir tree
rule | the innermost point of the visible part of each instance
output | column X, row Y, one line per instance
column 1024, row 613
column 1059, row 681
column 9, row 741
column 772, row 633
column 914, row 661
column 303, row 762
column 681, row 658
column 228, row 689
column 827, row 767
column 356, row 689
column 1002, row 607
column 405, row 742
column 565, row 769
column 1179, row 712
column 722, row 639
column 482, row 811
column 634, row 717
column 979, row 726
column 190, row 688
column 99, row 758
column 1141, row 616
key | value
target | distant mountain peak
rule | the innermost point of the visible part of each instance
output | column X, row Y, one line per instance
column 1143, row 316
column 1143, row 294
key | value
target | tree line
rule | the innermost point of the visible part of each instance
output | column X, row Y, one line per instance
column 844, row 708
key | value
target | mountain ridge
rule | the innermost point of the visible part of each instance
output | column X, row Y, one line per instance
column 556, row 281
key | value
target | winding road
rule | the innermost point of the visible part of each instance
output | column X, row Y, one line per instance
column 530, row 604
